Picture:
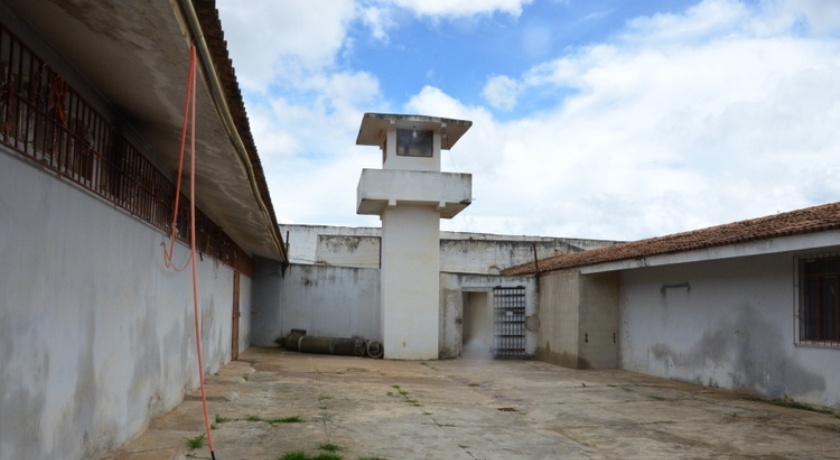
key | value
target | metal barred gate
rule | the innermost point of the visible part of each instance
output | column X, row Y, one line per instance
column 509, row 320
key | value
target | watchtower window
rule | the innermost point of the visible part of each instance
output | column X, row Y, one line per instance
column 414, row 143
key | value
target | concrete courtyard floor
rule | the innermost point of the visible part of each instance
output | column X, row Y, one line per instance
column 473, row 409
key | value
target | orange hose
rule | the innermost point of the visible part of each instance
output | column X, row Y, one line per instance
column 189, row 114
column 167, row 254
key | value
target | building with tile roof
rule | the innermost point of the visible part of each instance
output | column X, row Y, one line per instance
column 751, row 306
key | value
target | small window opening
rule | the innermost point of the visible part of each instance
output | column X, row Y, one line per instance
column 819, row 302
column 414, row 142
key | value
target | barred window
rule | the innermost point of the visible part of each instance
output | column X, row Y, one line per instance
column 819, row 302
column 47, row 121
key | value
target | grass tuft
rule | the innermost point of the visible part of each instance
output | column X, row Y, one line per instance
column 292, row 419
column 296, row 455
column 327, row 457
column 196, row 442
column 330, row 447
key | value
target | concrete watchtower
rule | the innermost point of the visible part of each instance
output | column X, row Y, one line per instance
column 411, row 194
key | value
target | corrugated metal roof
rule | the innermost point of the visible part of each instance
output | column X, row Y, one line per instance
column 802, row 221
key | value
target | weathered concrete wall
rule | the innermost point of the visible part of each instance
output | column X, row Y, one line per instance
column 410, row 282
column 454, row 286
column 482, row 256
column 469, row 262
column 579, row 320
column 598, row 321
column 558, row 341
column 460, row 252
column 349, row 251
column 304, row 244
column 96, row 334
column 734, row 328
column 324, row 301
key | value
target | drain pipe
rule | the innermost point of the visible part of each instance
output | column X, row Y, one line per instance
column 192, row 29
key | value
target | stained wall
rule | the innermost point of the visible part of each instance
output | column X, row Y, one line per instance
column 96, row 334
column 726, row 323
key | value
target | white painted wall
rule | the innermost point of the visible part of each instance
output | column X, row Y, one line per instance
column 460, row 252
column 733, row 329
column 96, row 335
column 324, row 301
column 380, row 188
column 303, row 240
column 348, row 251
column 409, row 282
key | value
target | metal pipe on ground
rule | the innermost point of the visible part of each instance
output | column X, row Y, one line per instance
column 331, row 345
column 297, row 340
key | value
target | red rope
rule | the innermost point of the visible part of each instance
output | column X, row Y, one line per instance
column 189, row 114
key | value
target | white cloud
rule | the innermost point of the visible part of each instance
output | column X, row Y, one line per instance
column 680, row 121
column 308, row 146
column 822, row 17
column 379, row 20
column 501, row 92
column 686, row 121
column 462, row 7
column 266, row 40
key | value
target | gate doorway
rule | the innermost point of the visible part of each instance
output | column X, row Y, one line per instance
column 234, row 345
column 509, row 318
column 477, row 331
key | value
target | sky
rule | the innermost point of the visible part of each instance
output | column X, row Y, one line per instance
column 601, row 119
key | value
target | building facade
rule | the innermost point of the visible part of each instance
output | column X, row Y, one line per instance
column 751, row 306
column 331, row 288
column 96, row 333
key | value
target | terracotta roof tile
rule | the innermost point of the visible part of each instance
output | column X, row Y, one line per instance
column 802, row 221
column 211, row 27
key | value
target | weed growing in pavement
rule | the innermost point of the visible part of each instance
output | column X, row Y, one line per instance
column 298, row 455
column 256, row 418
column 404, row 394
column 788, row 402
column 196, row 442
column 330, row 447
column 292, row 419
column 799, row 405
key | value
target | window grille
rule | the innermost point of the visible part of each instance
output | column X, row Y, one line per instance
column 44, row 119
column 509, row 309
column 819, row 301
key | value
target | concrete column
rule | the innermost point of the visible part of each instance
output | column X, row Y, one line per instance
column 410, row 282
